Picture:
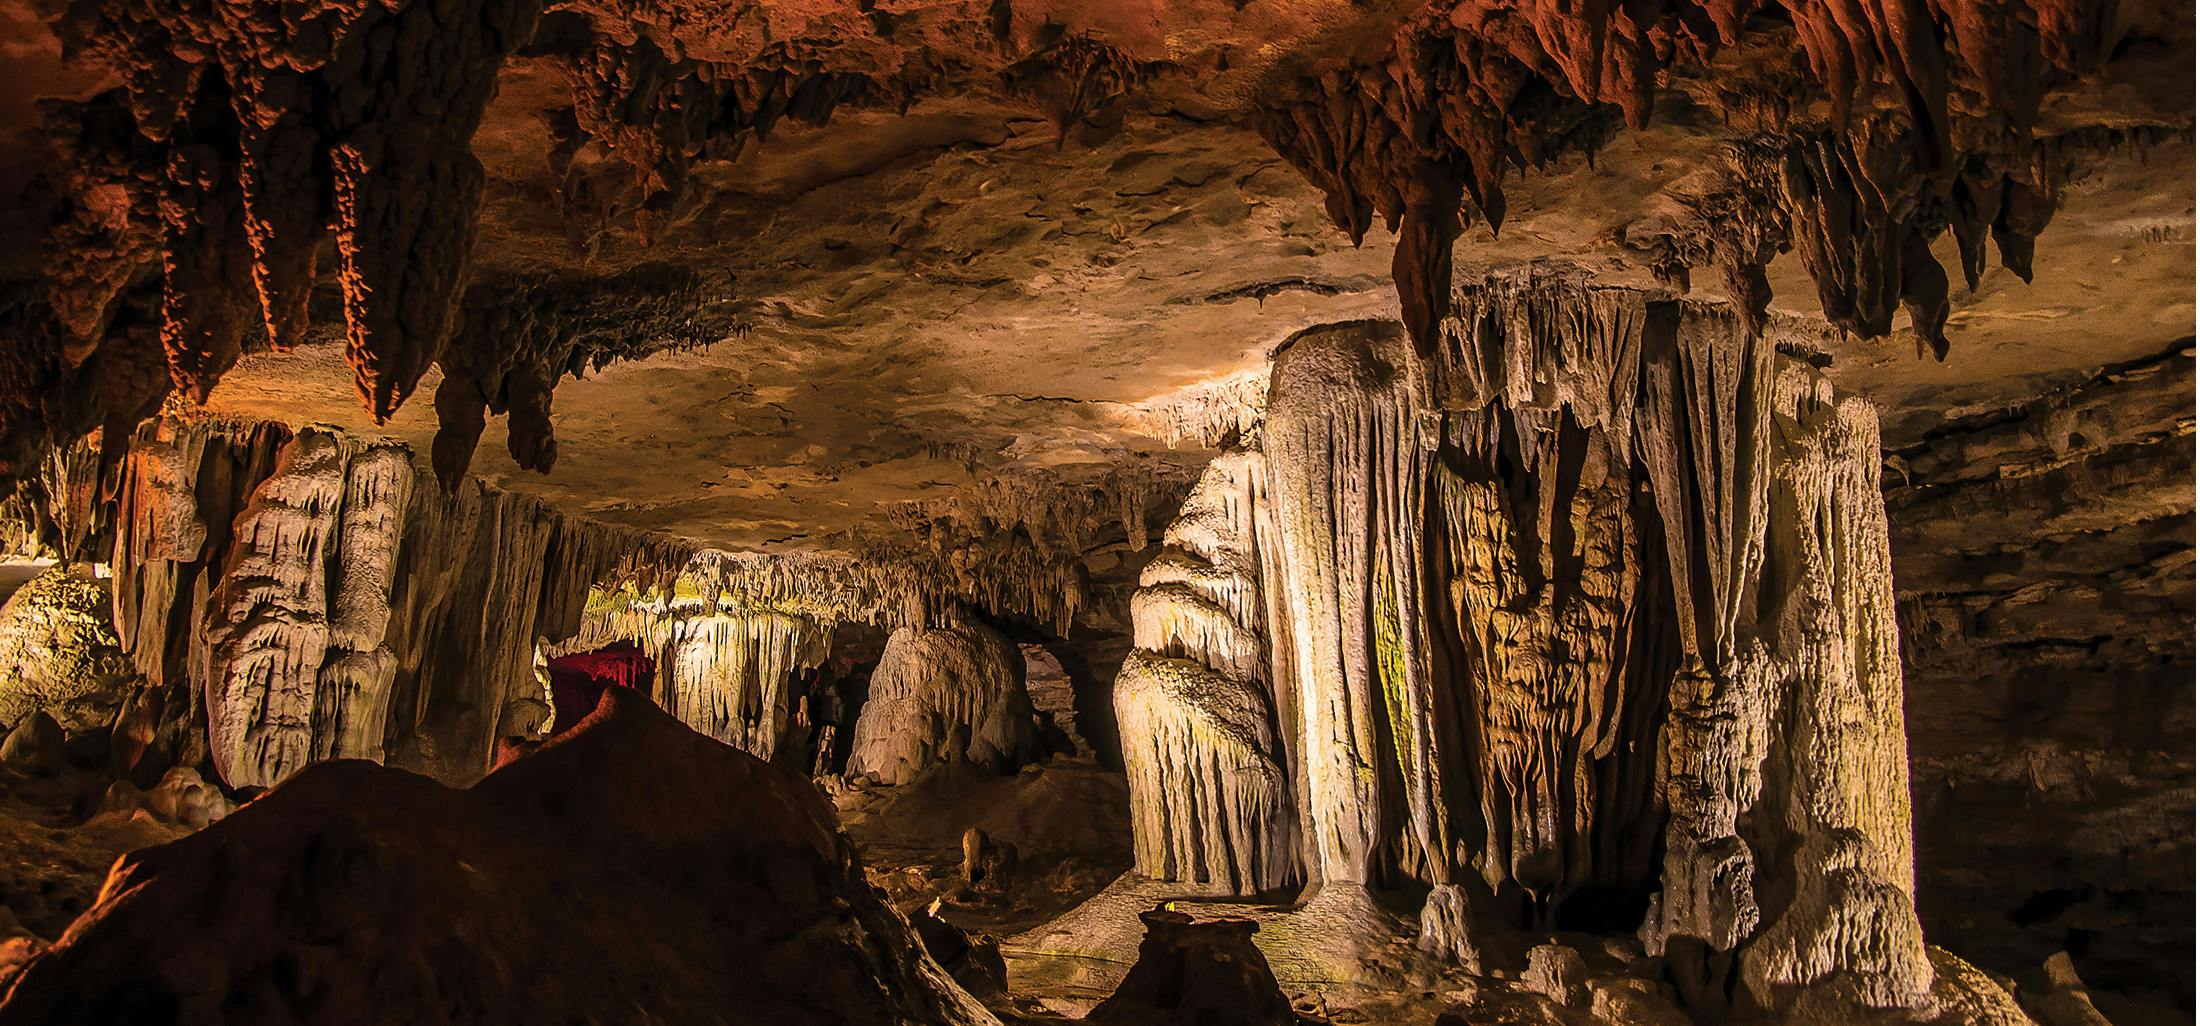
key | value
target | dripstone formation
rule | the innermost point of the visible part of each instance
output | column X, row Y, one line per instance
column 1721, row 552
column 1585, row 620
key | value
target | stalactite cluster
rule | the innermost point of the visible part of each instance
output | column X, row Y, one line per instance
column 521, row 336
column 654, row 115
column 1015, row 543
column 1584, row 616
column 1901, row 120
column 724, row 665
column 241, row 136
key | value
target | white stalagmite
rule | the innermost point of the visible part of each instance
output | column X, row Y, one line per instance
column 1349, row 437
column 1210, row 796
column 1848, row 809
column 1590, row 603
column 297, row 668
column 947, row 692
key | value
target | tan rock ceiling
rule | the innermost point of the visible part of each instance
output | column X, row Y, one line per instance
column 924, row 300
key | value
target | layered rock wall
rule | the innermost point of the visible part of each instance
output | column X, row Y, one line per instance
column 2043, row 561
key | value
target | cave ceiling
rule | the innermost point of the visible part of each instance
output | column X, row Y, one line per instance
column 1054, row 242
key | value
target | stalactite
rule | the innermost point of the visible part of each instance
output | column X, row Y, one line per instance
column 269, row 125
column 518, row 337
column 1540, row 583
column 1932, row 109
column 725, row 658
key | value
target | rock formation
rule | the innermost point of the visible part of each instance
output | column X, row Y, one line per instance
column 308, row 599
column 1603, row 576
column 1193, row 972
column 725, row 668
column 627, row 841
column 298, row 668
column 1200, row 740
column 58, row 652
column 948, row 693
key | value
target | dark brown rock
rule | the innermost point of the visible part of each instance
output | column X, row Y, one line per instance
column 628, row 870
column 1196, row 974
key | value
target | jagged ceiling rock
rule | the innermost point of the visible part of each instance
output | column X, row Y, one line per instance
column 948, row 242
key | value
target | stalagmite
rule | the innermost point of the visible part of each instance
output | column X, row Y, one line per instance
column 1600, row 567
column 298, row 666
column 306, row 597
column 1347, row 460
column 1209, row 790
column 951, row 692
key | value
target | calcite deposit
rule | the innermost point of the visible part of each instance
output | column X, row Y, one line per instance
column 945, row 693
column 1311, row 511
column 1606, row 576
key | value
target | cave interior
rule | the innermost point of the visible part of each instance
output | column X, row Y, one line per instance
column 1137, row 512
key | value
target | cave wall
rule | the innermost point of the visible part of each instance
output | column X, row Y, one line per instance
column 2043, row 556
column 1583, row 618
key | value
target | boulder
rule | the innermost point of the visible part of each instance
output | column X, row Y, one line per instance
column 58, row 651
column 630, row 870
column 36, row 745
column 1192, row 973
column 949, row 693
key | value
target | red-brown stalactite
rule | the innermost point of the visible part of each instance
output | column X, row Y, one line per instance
column 241, row 135
column 1081, row 82
column 1931, row 126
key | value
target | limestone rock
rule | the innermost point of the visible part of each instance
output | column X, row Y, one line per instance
column 509, row 878
column 58, row 651
column 2056, row 996
column 36, row 745
column 1558, row 973
column 1192, row 972
column 183, row 798
column 947, row 693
